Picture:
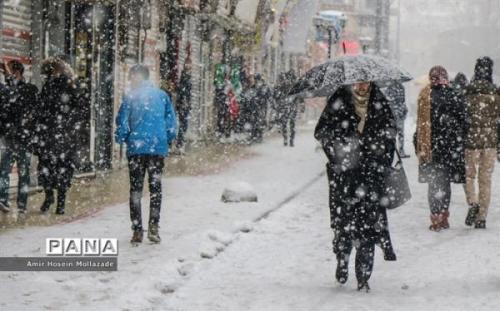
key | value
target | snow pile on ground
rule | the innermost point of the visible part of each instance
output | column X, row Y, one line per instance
column 239, row 192
column 214, row 243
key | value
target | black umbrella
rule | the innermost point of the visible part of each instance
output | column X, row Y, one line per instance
column 325, row 79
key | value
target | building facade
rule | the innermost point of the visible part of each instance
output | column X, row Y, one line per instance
column 101, row 39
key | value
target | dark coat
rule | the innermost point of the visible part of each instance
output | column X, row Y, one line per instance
column 19, row 109
column 284, row 105
column 448, row 133
column 57, row 125
column 395, row 94
column 4, row 117
column 254, row 104
column 357, row 162
column 183, row 103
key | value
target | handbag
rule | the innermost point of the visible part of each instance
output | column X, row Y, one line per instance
column 396, row 185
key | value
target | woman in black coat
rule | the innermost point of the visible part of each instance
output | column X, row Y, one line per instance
column 57, row 126
column 439, row 143
column 357, row 132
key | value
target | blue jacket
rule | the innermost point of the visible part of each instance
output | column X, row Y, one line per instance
column 146, row 121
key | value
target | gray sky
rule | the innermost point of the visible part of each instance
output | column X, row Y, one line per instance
column 452, row 33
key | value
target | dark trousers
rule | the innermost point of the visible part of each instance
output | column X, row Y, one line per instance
column 23, row 159
column 401, row 136
column 439, row 191
column 365, row 254
column 285, row 123
column 138, row 165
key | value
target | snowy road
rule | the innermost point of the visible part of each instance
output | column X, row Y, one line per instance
column 287, row 264
column 283, row 263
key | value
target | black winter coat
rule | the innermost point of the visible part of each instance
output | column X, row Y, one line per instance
column 448, row 132
column 57, row 126
column 20, row 105
column 395, row 93
column 357, row 162
column 4, row 117
column 183, row 103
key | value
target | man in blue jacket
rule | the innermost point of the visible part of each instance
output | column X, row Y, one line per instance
column 146, row 123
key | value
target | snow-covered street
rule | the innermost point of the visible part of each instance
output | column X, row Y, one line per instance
column 287, row 264
column 214, row 256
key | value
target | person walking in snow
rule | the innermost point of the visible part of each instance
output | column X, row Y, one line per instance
column 357, row 132
column 396, row 96
column 183, row 104
column 55, row 137
column 146, row 123
column 439, row 143
column 19, row 109
column 460, row 83
column 287, row 107
column 483, row 111
column 261, row 103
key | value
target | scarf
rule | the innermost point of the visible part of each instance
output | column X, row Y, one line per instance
column 361, row 108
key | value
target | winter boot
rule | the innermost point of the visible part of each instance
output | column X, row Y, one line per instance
column 49, row 200
column 444, row 220
column 342, row 271
column 364, row 286
column 153, row 234
column 137, row 237
column 4, row 207
column 480, row 224
column 390, row 255
column 472, row 214
column 436, row 223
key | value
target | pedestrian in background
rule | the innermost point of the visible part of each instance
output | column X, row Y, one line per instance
column 183, row 104
column 146, row 123
column 19, row 109
column 460, row 83
column 263, row 96
column 57, row 126
column 287, row 107
column 439, row 144
column 221, row 103
column 357, row 133
column 396, row 96
column 483, row 110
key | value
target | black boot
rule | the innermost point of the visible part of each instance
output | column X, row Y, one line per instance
column 472, row 214
column 364, row 264
column 49, row 200
column 61, row 202
column 364, row 286
column 480, row 224
column 342, row 272
column 390, row 255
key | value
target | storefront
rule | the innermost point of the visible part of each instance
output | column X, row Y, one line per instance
column 84, row 34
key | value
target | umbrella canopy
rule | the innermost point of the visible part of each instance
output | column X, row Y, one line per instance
column 325, row 79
